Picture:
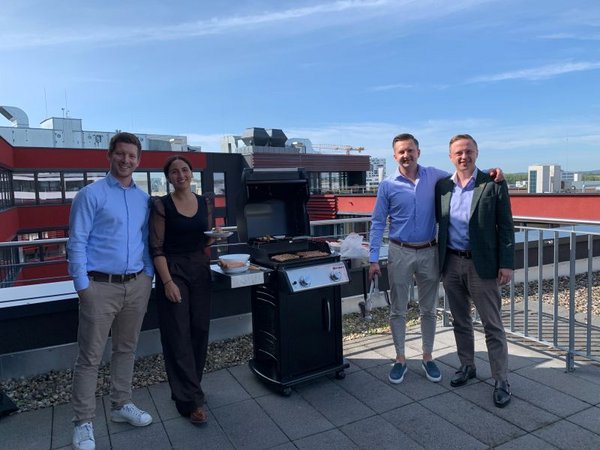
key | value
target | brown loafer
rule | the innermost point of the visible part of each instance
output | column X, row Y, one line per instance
column 198, row 416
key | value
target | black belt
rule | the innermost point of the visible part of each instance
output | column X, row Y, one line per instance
column 462, row 253
column 111, row 278
column 414, row 247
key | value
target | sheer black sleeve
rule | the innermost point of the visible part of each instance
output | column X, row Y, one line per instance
column 157, row 227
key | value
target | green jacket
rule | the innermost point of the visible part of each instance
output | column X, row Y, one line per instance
column 491, row 229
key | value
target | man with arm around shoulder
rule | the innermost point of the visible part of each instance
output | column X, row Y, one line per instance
column 112, row 271
column 476, row 255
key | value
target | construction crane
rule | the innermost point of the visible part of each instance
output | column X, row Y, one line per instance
column 344, row 148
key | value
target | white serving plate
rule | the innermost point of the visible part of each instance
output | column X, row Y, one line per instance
column 218, row 234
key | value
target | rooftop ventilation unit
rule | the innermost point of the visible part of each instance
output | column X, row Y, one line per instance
column 255, row 136
column 16, row 115
column 277, row 137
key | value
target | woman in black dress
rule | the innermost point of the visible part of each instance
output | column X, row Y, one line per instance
column 178, row 245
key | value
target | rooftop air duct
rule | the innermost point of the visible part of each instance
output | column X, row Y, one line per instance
column 16, row 115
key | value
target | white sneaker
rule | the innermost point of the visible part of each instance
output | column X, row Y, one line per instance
column 131, row 414
column 83, row 437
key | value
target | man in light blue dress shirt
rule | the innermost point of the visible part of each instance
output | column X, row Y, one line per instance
column 109, row 261
column 406, row 200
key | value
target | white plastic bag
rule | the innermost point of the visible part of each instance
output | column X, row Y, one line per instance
column 352, row 247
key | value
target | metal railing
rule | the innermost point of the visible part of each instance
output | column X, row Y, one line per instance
column 554, row 298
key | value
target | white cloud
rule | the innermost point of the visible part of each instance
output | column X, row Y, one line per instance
column 326, row 14
column 186, row 30
column 390, row 87
column 572, row 36
column 539, row 73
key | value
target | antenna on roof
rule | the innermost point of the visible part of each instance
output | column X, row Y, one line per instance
column 66, row 108
column 46, row 103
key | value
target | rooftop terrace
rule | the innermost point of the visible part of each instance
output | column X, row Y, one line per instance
column 550, row 409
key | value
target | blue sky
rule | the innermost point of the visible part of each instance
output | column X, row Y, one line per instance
column 523, row 77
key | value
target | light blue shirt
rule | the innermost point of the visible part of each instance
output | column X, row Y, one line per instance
column 460, row 213
column 108, row 231
column 409, row 206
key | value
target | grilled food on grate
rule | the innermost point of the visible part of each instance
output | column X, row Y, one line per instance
column 284, row 257
column 312, row 254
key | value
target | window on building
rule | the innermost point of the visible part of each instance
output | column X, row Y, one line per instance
column 6, row 194
column 24, row 188
column 532, row 181
column 49, row 187
column 197, row 183
column 72, row 183
column 90, row 177
column 141, row 180
column 158, row 184
column 220, row 198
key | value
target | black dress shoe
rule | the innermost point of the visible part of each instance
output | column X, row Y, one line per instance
column 462, row 375
column 502, row 394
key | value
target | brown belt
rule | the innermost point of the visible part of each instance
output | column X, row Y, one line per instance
column 111, row 278
column 414, row 247
column 462, row 253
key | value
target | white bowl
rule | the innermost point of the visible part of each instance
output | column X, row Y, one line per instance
column 242, row 257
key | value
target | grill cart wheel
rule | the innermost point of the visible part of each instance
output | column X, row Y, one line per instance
column 286, row 391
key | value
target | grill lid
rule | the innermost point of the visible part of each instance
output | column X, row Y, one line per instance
column 273, row 204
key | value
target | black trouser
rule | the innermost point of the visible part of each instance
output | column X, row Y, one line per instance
column 184, row 328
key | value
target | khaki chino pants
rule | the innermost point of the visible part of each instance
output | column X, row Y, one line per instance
column 404, row 264
column 120, row 309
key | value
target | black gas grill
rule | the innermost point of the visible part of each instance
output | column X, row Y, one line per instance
column 296, row 313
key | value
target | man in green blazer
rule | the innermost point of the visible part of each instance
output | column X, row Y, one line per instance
column 476, row 254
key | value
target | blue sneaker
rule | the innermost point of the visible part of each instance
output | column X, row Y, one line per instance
column 397, row 373
column 432, row 372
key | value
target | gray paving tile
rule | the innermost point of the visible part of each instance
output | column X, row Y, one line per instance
column 519, row 412
column 430, row 430
column 483, row 366
column 16, row 430
column 389, row 351
column 588, row 371
column 589, row 419
column 444, row 337
column 248, row 426
column 479, row 423
column 142, row 399
column 567, row 435
column 184, row 435
column 286, row 446
column 365, row 357
column 152, row 437
column 564, row 382
column 529, row 442
column 216, row 396
column 294, row 415
column 414, row 386
column 373, row 392
column 334, row 440
column 62, row 425
column 161, row 396
column 333, row 402
column 375, row 432
column 249, row 381
column 544, row 397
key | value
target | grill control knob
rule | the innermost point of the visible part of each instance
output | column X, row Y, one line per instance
column 335, row 276
column 304, row 280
